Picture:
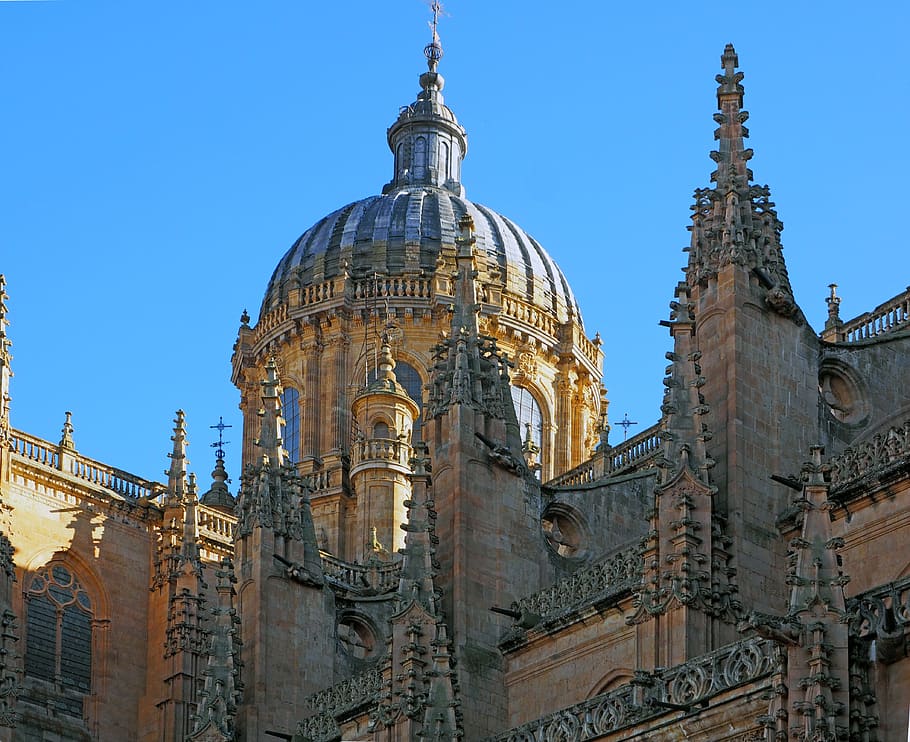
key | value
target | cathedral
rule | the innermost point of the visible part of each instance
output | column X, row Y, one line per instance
column 434, row 537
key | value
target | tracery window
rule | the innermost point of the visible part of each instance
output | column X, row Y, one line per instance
column 290, row 431
column 528, row 412
column 58, row 644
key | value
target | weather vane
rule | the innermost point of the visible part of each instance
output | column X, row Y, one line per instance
column 626, row 424
column 219, row 446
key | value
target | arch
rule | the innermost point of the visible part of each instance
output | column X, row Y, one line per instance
column 420, row 157
column 529, row 412
column 611, row 680
column 60, row 619
column 290, row 430
column 381, row 429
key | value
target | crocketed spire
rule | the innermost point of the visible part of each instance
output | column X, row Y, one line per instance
column 269, row 440
column 427, row 140
column 176, row 474
column 735, row 222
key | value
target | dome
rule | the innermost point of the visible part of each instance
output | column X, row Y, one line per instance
column 403, row 232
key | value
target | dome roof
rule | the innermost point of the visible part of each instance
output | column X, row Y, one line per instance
column 404, row 231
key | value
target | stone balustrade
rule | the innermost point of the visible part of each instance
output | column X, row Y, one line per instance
column 614, row 575
column 387, row 450
column 530, row 315
column 94, row 472
column 699, row 679
column 886, row 317
column 375, row 576
column 216, row 525
column 870, row 457
column 393, row 287
column 632, row 454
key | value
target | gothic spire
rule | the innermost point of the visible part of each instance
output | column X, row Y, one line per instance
column 427, row 140
column 735, row 222
column 220, row 694
column 427, row 702
column 269, row 440
column 176, row 474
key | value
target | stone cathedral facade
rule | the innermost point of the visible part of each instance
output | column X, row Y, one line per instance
column 433, row 537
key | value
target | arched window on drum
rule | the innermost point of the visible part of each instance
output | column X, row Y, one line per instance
column 410, row 379
column 290, row 431
column 528, row 412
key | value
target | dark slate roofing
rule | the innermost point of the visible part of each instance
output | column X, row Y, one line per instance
column 374, row 233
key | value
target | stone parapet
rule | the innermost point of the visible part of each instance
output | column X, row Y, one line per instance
column 651, row 695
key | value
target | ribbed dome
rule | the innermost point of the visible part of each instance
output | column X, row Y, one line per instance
column 404, row 231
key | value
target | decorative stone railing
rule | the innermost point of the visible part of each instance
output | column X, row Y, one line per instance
column 270, row 321
column 614, row 575
column 700, row 678
column 880, row 611
column 884, row 318
column 393, row 287
column 628, row 455
column 375, row 576
column 877, row 454
column 94, row 472
column 342, row 698
column 216, row 525
column 530, row 315
column 389, row 450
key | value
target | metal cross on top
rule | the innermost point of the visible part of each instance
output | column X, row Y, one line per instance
column 626, row 423
column 436, row 7
column 219, row 445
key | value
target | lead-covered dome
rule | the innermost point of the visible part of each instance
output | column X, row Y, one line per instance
column 409, row 229
column 404, row 232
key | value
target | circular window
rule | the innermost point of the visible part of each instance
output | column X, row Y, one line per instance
column 564, row 531
column 357, row 637
column 843, row 393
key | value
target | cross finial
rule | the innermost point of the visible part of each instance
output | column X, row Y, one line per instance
column 433, row 50
column 219, row 445
column 626, row 423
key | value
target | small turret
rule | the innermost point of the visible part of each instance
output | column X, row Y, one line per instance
column 384, row 415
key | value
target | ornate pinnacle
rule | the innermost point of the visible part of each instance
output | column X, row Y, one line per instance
column 66, row 439
column 270, row 417
column 176, row 474
column 732, row 157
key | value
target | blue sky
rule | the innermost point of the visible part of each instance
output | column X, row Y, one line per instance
column 159, row 158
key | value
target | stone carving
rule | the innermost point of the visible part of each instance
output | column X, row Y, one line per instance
column 736, row 222
column 697, row 680
column 221, row 689
column 884, row 450
column 338, row 699
column 9, row 669
column 613, row 576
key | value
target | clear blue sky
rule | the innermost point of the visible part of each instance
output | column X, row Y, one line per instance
column 158, row 158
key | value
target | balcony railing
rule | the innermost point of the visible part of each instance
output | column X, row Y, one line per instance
column 629, row 455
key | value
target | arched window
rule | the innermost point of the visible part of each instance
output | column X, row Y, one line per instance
column 381, row 430
column 290, row 431
column 409, row 378
column 58, row 638
column 420, row 157
column 528, row 412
